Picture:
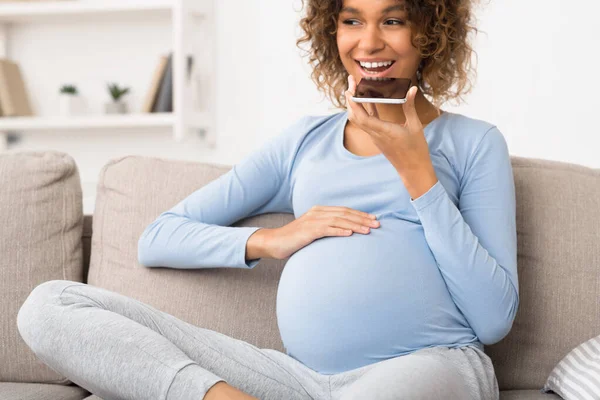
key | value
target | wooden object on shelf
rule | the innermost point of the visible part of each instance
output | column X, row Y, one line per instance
column 164, row 100
column 13, row 95
column 157, row 78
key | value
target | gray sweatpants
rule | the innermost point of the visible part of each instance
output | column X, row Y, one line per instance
column 119, row 348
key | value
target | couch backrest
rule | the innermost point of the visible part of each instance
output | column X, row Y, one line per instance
column 131, row 193
column 40, row 229
column 558, row 224
column 558, row 255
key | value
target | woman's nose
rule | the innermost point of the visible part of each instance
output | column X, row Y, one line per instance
column 371, row 40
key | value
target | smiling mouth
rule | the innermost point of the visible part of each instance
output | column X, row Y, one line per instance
column 379, row 72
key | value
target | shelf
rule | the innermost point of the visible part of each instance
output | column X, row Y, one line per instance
column 28, row 11
column 125, row 121
column 193, row 32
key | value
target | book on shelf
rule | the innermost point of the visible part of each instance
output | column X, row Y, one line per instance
column 14, row 100
column 164, row 99
column 152, row 93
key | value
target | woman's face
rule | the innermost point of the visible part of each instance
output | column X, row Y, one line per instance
column 376, row 30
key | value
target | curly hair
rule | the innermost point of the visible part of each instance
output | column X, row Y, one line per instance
column 439, row 31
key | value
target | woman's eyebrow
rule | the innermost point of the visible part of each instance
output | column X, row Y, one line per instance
column 352, row 10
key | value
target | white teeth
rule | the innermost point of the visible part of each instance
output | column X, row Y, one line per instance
column 375, row 64
column 374, row 78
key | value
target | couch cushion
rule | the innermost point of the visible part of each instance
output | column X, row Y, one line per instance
column 41, row 215
column 527, row 395
column 558, row 235
column 132, row 192
column 40, row 391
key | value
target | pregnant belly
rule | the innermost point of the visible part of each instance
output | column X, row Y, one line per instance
column 345, row 302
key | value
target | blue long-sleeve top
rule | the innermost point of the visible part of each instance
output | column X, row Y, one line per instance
column 440, row 270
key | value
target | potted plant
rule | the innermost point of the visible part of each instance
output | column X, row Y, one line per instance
column 116, row 106
column 70, row 103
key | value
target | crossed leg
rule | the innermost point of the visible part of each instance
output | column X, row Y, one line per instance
column 120, row 348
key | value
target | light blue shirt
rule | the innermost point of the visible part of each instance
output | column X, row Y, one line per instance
column 441, row 270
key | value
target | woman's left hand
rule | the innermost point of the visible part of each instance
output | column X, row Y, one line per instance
column 404, row 145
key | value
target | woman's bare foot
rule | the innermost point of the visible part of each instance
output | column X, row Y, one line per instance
column 223, row 391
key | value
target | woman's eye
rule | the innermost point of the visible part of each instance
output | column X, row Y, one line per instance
column 398, row 22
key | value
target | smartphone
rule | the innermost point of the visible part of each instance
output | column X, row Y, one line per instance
column 388, row 90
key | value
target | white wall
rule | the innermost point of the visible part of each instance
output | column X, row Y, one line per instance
column 538, row 77
column 536, row 80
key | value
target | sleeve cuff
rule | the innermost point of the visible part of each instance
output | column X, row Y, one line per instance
column 428, row 197
column 245, row 233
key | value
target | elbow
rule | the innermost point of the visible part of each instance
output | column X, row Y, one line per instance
column 497, row 329
column 144, row 247
column 147, row 248
column 494, row 333
column 142, row 251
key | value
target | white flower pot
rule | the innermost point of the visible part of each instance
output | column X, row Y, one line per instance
column 70, row 104
column 116, row 107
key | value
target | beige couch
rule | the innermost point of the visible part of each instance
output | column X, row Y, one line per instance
column 44, row 236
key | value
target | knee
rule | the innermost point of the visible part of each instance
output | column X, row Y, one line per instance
column 409, row 377
column 36, row 310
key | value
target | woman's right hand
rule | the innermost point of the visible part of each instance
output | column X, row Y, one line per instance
column 318, row 222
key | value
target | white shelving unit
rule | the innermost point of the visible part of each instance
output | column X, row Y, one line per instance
column 158, row 120
column 193, row 33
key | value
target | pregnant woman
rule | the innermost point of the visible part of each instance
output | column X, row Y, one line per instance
column 402, row 254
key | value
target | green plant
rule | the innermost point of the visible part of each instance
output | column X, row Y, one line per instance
column 68, row 89
column 116, row 92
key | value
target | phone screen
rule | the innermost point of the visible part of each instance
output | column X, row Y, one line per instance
column 390, row 88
